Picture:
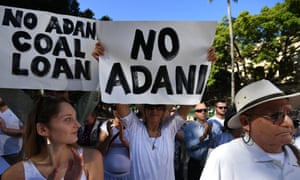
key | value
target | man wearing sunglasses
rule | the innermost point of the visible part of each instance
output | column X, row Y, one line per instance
column 220, row 111
column 218, row 121
column 196, row 138
column 265, row 151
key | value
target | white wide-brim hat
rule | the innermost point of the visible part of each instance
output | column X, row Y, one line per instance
column 257, row 93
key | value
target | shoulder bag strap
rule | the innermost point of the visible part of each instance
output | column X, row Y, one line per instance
column 296, row 152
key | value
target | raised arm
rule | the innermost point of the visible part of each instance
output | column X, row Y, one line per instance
column 123, row 110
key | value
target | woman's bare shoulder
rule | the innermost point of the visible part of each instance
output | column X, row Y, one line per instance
column 15, row 171
column 91, row 154
column 93, row 163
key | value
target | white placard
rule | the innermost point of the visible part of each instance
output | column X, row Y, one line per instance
column 154, row 62
column 42, row 50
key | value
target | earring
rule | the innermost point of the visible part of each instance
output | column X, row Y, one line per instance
column 48, row 140
column 244, row 135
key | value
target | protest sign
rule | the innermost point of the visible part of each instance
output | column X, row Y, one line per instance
column 42, row 50
column 154, row 62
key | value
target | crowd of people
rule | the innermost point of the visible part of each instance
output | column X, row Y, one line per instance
column 253, row 139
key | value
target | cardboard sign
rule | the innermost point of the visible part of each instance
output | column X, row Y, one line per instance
column 42, row 50
column 154, row 62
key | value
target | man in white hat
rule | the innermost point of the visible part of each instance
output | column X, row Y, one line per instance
column 264, row 152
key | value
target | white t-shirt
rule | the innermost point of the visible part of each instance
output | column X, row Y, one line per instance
column 10, row 144
column 221, row 121
column 150, row 163
column 32, row 173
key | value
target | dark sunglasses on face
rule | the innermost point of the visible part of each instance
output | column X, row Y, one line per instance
column 201, row 110
column 222, row 107
column 157, row 107
column 278, row 117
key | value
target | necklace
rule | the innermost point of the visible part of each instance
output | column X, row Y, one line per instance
column 154, row 134
column 153, row 143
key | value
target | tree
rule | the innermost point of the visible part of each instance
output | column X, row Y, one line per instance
column 267, row 45
column 68, row 7
column 272, row 41
column 231, row 48
column 88, row 13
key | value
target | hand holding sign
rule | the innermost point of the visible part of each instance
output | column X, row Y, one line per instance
column 98, row 51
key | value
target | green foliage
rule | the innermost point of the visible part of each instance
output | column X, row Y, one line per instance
column 266, row 45
column 87, row 13
column 55, row 6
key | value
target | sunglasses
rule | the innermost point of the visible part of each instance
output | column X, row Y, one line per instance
column 278, row 117
column 157, row 107
column 201, row 110
column 222, row 107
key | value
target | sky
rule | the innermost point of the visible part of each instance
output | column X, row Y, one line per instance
column 181, row 10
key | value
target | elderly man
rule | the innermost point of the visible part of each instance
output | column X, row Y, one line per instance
column 264, row 152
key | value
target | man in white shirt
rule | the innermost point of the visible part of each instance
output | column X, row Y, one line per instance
column 220, row 111
column 265, row 151
column 218, row 121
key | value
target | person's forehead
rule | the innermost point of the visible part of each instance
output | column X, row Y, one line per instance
column 275, row 105
column 200, row 106
column 221, row 103
column 66, row 108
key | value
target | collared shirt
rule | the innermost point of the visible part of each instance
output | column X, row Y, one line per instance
column 297, row 142
column 239, row 161
column 196, row 149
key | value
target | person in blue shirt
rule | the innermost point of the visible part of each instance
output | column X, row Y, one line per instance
column 196, row 137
